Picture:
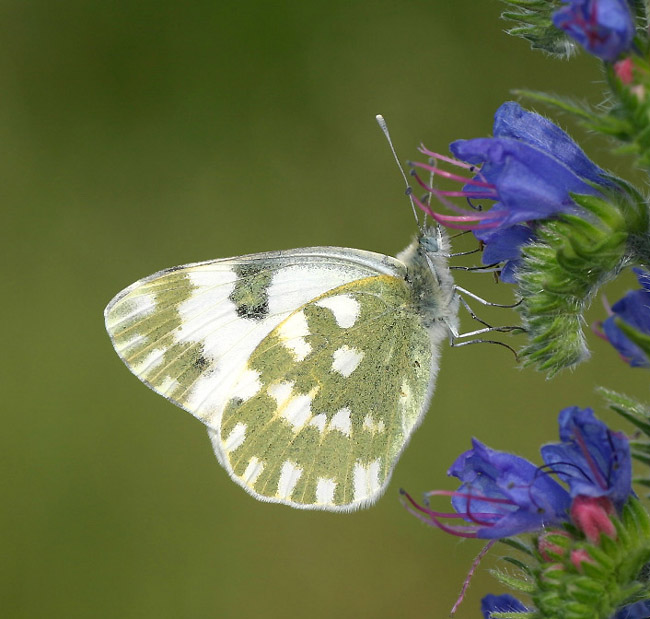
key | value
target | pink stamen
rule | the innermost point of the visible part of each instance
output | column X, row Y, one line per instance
column 475, row 517
column 468, row 495
column 459, row 531
column 442, row 197
column 597, row 330
column 450, row 220
column 460, row 164
column 451, row 176
column 460, row 194
column 482, row 519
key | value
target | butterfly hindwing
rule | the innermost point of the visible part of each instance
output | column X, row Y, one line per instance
column 335, row 392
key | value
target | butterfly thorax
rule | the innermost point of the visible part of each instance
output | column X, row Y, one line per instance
column 426, row 261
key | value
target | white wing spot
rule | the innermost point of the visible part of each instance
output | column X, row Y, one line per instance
column 211, row 289
column 341, row 421
column 236, row 438
column 345, row 308
column 289, row 477
column 167, row 385
column 150, row 362
column 247, row 385
column 139, row 305
column 366, row 479
column 253, row 471
column 371, row 424
column 298, row 410
column 319, row 421
column 292, row 333
column 281, row 392
column 325, row 491
column 130, row 343
column 346, row 360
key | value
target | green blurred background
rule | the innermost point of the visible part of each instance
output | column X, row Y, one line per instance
column 140, row 135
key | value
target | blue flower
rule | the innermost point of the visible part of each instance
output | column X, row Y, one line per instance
column 638, row 610
column 605, row 28
column 592, row 460
column 501, row 604
column 529, row 169
column 502, row 495
column 634, row 310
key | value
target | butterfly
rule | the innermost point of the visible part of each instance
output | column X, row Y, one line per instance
column 310, row 368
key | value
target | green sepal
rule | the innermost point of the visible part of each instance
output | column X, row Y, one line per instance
column 518, row 544
column 533, row 23
column 517, row 563
column 571, row 259
column 638, row 414
column 633, row 410
column 512, row 582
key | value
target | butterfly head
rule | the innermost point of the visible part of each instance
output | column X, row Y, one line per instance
column 433, row 241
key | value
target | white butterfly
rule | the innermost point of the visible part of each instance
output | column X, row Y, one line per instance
column 311, row 368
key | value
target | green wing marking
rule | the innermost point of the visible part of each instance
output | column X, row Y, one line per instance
column 320, row 433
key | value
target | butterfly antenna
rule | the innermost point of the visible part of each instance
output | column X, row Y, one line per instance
column 409, row 190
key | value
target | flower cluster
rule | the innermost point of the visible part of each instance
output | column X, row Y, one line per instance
column 579, row 505
column 503, row 494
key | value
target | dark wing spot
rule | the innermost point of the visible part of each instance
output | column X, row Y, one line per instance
column 201, row 363
column 255, row 312
column 250, row 294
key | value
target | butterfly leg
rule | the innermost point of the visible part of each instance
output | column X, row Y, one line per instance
column 487, row 328
column 482, row 300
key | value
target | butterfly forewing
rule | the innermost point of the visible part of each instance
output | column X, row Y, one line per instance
column 335, row 391
column 188, row 332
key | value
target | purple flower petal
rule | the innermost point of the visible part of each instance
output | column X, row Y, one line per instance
column 513, row 121
column 634, row 310
column 592, row 459
column 530, row 498
column 638, row 610
column 531, row 183
column 500, row 604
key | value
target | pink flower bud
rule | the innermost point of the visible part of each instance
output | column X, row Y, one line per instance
column 592, row 516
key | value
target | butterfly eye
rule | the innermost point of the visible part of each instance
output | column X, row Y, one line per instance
column 430, row 243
